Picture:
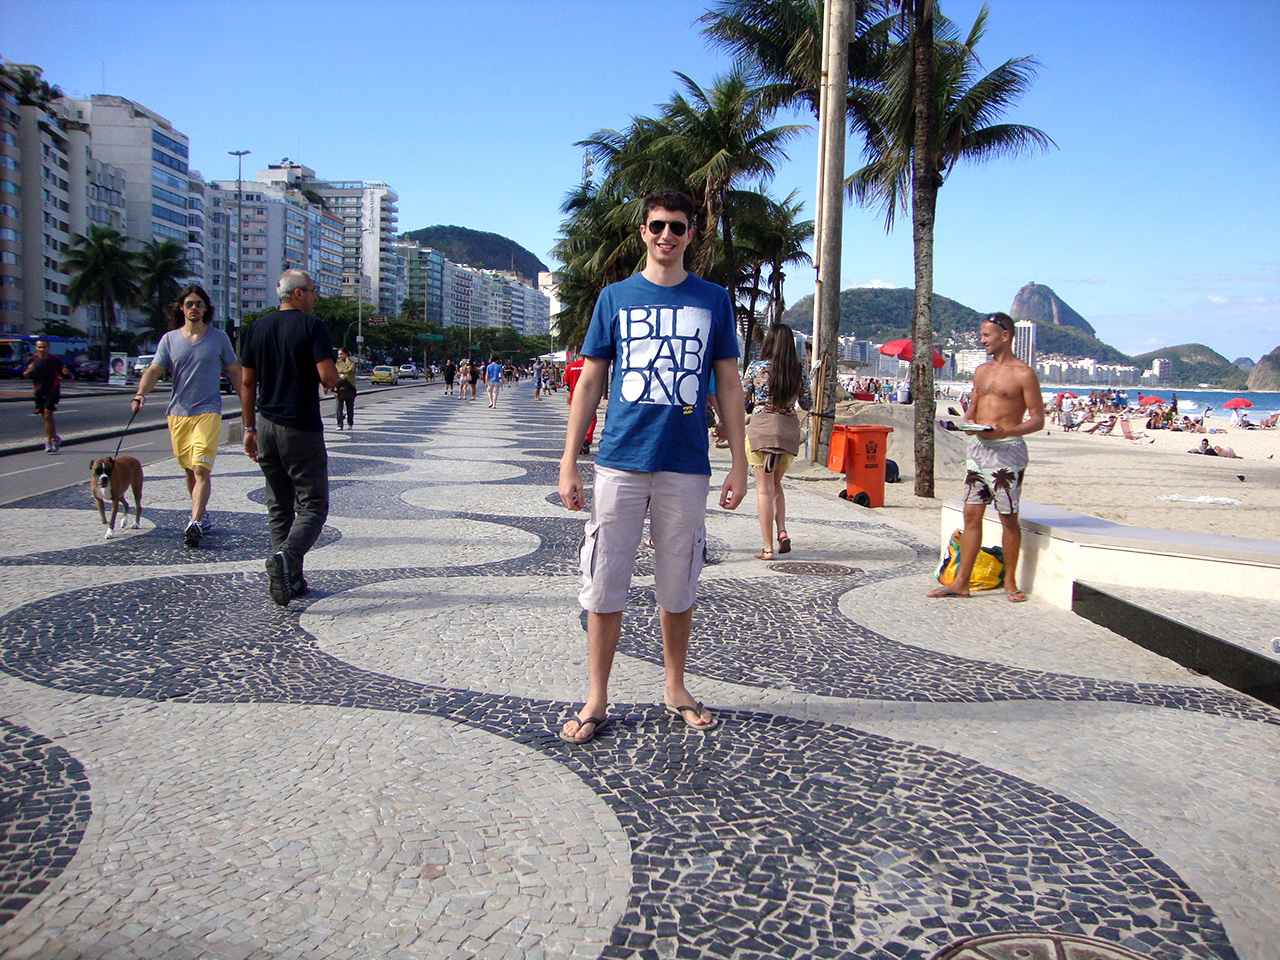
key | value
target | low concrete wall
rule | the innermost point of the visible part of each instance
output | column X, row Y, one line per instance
column 1060, row 547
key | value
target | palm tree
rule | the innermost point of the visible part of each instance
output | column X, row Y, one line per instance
column 771, row 236
column 915, row 140
column 103, row 272
column 162, row 266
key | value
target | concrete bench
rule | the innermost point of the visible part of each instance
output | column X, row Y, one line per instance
column 1060, row 547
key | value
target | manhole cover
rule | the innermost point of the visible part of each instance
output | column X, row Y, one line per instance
column 1034, row 946
column 814, row 569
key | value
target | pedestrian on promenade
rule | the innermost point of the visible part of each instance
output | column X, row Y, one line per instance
column 286, row 359
column 473, row 374
column 774, row 384
column 664, row 330
column 1006, row 405
column 450, row 371
column 194, row 354
column 45, row 371
column 493, row 381
column 571, row 374
column 345, row 391
column 537, row 379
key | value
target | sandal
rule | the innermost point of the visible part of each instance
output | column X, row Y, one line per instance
column 763, row 555
column 598, row 723
column 784, row 542
column 680, row 714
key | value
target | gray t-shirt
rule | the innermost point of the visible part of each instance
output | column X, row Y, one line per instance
column 196, row 369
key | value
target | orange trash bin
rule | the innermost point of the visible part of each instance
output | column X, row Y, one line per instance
column 861, row 457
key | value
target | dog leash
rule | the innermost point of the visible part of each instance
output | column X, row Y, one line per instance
column 126, row 430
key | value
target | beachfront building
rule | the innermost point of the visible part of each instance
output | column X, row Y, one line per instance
column 281, row 230
column 371, row 267
column 549, row 287
column 423, row 278
column 492, row 298
column 1161, row 370
column 223, row 258
column 1024, row 342
column 51, row 188
column 164, row 198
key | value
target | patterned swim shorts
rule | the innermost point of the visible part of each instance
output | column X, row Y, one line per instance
column 994, row 471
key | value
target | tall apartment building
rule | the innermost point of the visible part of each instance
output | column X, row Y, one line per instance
column 223, row 259
column 280, row 229
column 1024, row 342
column 371, row 265
column 492, row 298
column 424, row 278
column 164, row 198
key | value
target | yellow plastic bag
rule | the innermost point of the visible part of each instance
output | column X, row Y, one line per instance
column 988, row 569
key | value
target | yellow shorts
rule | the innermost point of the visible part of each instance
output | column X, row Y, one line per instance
column 757, row 460
column 195, row 439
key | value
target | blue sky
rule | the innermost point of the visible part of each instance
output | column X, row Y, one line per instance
column 1157, row 216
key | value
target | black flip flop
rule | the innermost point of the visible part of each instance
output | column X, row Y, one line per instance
column 679, row 713
column 599, row 722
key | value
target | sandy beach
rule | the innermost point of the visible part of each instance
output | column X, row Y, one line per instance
column 1102, row 476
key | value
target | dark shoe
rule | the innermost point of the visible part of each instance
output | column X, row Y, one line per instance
column 784, row 543
column 192, row 535
column 277, row 581
column 300, row 588
column 586, row 448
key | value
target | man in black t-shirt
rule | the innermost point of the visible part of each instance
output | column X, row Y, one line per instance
column 285, row 360
column 45, row 371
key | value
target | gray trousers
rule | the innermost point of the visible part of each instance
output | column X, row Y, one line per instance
column 296, row 467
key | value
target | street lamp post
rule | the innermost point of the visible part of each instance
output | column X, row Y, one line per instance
column 239, row 155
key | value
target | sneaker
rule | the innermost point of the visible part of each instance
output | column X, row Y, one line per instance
column 57, row 444
column 206, row 523
column 192, row 535
column 586, row 448
column 277, row 580
column 301, row 588
column 48, row 446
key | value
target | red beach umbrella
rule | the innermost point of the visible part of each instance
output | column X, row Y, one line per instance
column 902, row 350
column 1148, row 401
column 1067, row 393
column 1235, row 403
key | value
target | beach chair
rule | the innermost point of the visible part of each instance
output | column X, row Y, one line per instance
column 1127, row 431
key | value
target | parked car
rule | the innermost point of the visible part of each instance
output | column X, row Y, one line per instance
column 384, row 375
column 88, row 370
column 224, row 382
column 408, row 371
column 140, row 365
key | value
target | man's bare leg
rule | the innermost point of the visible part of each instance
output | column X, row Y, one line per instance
column 970, row 544
column 199, row 485
column 675, row 652
column 603, row 630
column 1011, row 542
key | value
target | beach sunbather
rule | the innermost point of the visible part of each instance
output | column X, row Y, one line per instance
column 1216, row 451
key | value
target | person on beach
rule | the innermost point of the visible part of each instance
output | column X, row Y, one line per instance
column 194, row 354
column 775, row 384
column 285, row 359
column 664, row 330
column 346, row 388
column 1008, row 405
column 572, row 371
column 450, row 371
column 537, row 379
column 45, row 371
column 1216, row 451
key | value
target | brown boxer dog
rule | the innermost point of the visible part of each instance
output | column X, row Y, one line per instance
column 113, row 477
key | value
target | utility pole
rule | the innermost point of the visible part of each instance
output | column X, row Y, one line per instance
column 832, row 120
column 239, row 155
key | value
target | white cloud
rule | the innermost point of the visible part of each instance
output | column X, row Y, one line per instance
column 875, row 284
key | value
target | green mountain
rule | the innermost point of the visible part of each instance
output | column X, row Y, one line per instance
column 1073, row 342
column 475, row 248
column 1194, row 364
column 878, row 313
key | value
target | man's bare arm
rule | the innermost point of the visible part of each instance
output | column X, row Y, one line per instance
column 582, row 407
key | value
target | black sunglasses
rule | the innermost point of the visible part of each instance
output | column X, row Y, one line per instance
column 677, row 227
column 1003, row 322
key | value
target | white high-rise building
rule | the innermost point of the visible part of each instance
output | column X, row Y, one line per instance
column 368, row 211
column 164, row 198
column 1024, row 342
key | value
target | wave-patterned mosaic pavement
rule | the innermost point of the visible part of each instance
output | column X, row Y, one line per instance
column 192, row 772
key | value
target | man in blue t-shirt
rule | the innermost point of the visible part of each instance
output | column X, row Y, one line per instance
column 665, row 331
column 493, row 380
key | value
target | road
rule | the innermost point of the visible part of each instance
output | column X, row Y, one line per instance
column 90, row 424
